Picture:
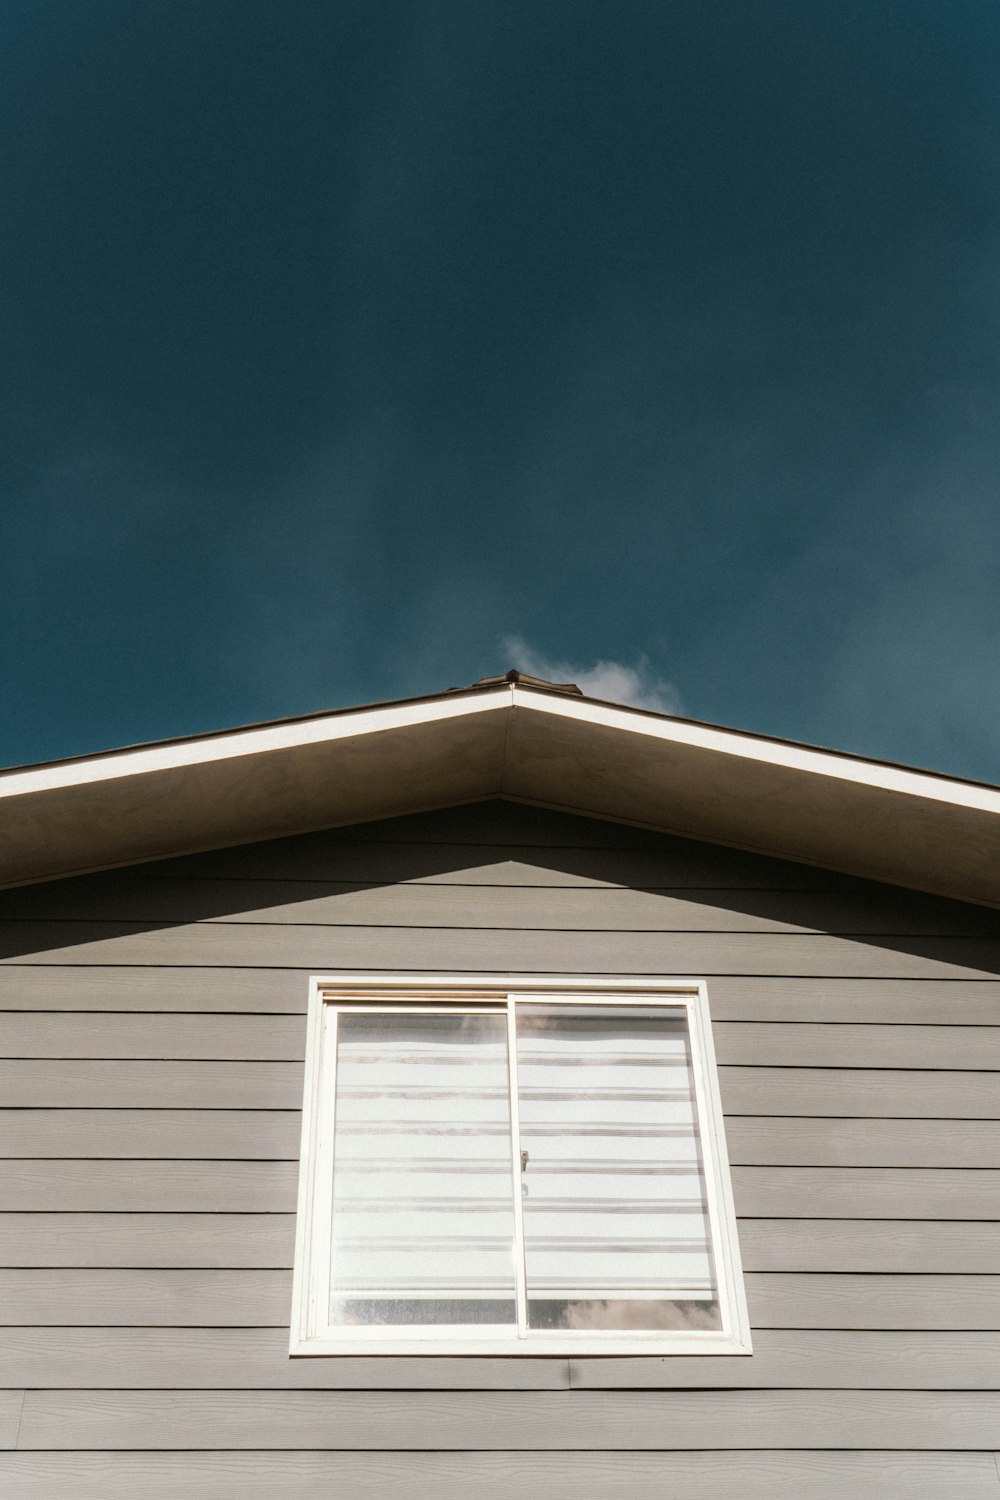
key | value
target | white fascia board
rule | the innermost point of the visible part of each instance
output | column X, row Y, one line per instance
column 233, row 744
column 242, row 743
column 927, row 785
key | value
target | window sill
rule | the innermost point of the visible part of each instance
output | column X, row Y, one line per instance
column 582, row 1344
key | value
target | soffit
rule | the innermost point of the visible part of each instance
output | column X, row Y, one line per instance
column 889, row 823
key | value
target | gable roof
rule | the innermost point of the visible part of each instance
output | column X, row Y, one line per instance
column 504, row 737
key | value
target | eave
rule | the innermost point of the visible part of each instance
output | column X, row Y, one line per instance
column 863, row 817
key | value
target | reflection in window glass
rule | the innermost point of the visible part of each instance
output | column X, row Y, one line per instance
column 616, row 1225
column 423, row 1221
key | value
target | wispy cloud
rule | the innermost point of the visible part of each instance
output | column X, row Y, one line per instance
column 615, row 681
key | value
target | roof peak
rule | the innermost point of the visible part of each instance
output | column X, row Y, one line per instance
column 523, row 679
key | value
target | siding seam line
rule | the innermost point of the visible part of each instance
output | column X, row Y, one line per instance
column 20, row 1419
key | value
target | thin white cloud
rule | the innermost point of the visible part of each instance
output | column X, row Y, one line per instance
column 614, row 681
column 624, row 1315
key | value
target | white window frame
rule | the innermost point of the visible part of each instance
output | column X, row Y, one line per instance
column 311, row 1333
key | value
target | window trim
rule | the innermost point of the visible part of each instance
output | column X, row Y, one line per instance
column 310, row 1335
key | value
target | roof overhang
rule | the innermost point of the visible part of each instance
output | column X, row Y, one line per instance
column 820, row 807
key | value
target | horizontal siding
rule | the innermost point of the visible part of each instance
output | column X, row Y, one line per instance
column 273, row 1135
column 537, row 1420
column 266, row 1240
column 282, row 1038
column 257, row 1359
column 470, row 837
column 826, row 1360
column 152, row 1026
column 132, row 987
column 99, row 1297
column 87, row 1296
column 146, row 1239
column 509, row 1475
column 244, row 1186
column 880, row 1245
column 863, row 1143
column 144, row 1186
column 846, row 1046
column 866, row 1193
column 212, row 1134
column 503, row 896
column 152, row 1085
column 136, row 987
column 253, row 1038
column 90, row 1084
column 862, row 1092
column 471, row 950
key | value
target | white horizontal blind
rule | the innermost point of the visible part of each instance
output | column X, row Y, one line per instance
column 423, row 1224
column 611, row 1230
column 616, row 1223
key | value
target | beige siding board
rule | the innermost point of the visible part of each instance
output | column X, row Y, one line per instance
column 866, row 1193
column 152, row 1085
column 102, row 1035
column 145, row 1186
column 213, row 1134
column 501, row 896
column 98, row 1297
column 882, row 1301
column 790, row 1358
column 757, row 1141
column 146, row 1239
column 861, row 1092
column 538, row 1420
column 887, row 1245
column 958, row 1002
column 501, row 1476
column 257, row 1359
column 265, row 1240
column 282, row 1039
column 876, row 1092
column 85, row 1296
column 127, row 987
column 135, row 987
column 472, row 950
column 768, row 1044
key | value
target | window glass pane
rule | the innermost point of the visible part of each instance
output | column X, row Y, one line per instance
column 616, row 1224
column 423, row 1220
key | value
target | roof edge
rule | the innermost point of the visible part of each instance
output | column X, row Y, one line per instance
column 512, row 685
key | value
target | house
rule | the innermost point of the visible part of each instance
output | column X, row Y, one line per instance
column 703, row 1024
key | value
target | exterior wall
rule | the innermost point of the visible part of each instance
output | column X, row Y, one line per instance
column 153, row 1026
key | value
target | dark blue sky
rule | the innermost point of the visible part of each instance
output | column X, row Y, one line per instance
column 343, row 342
